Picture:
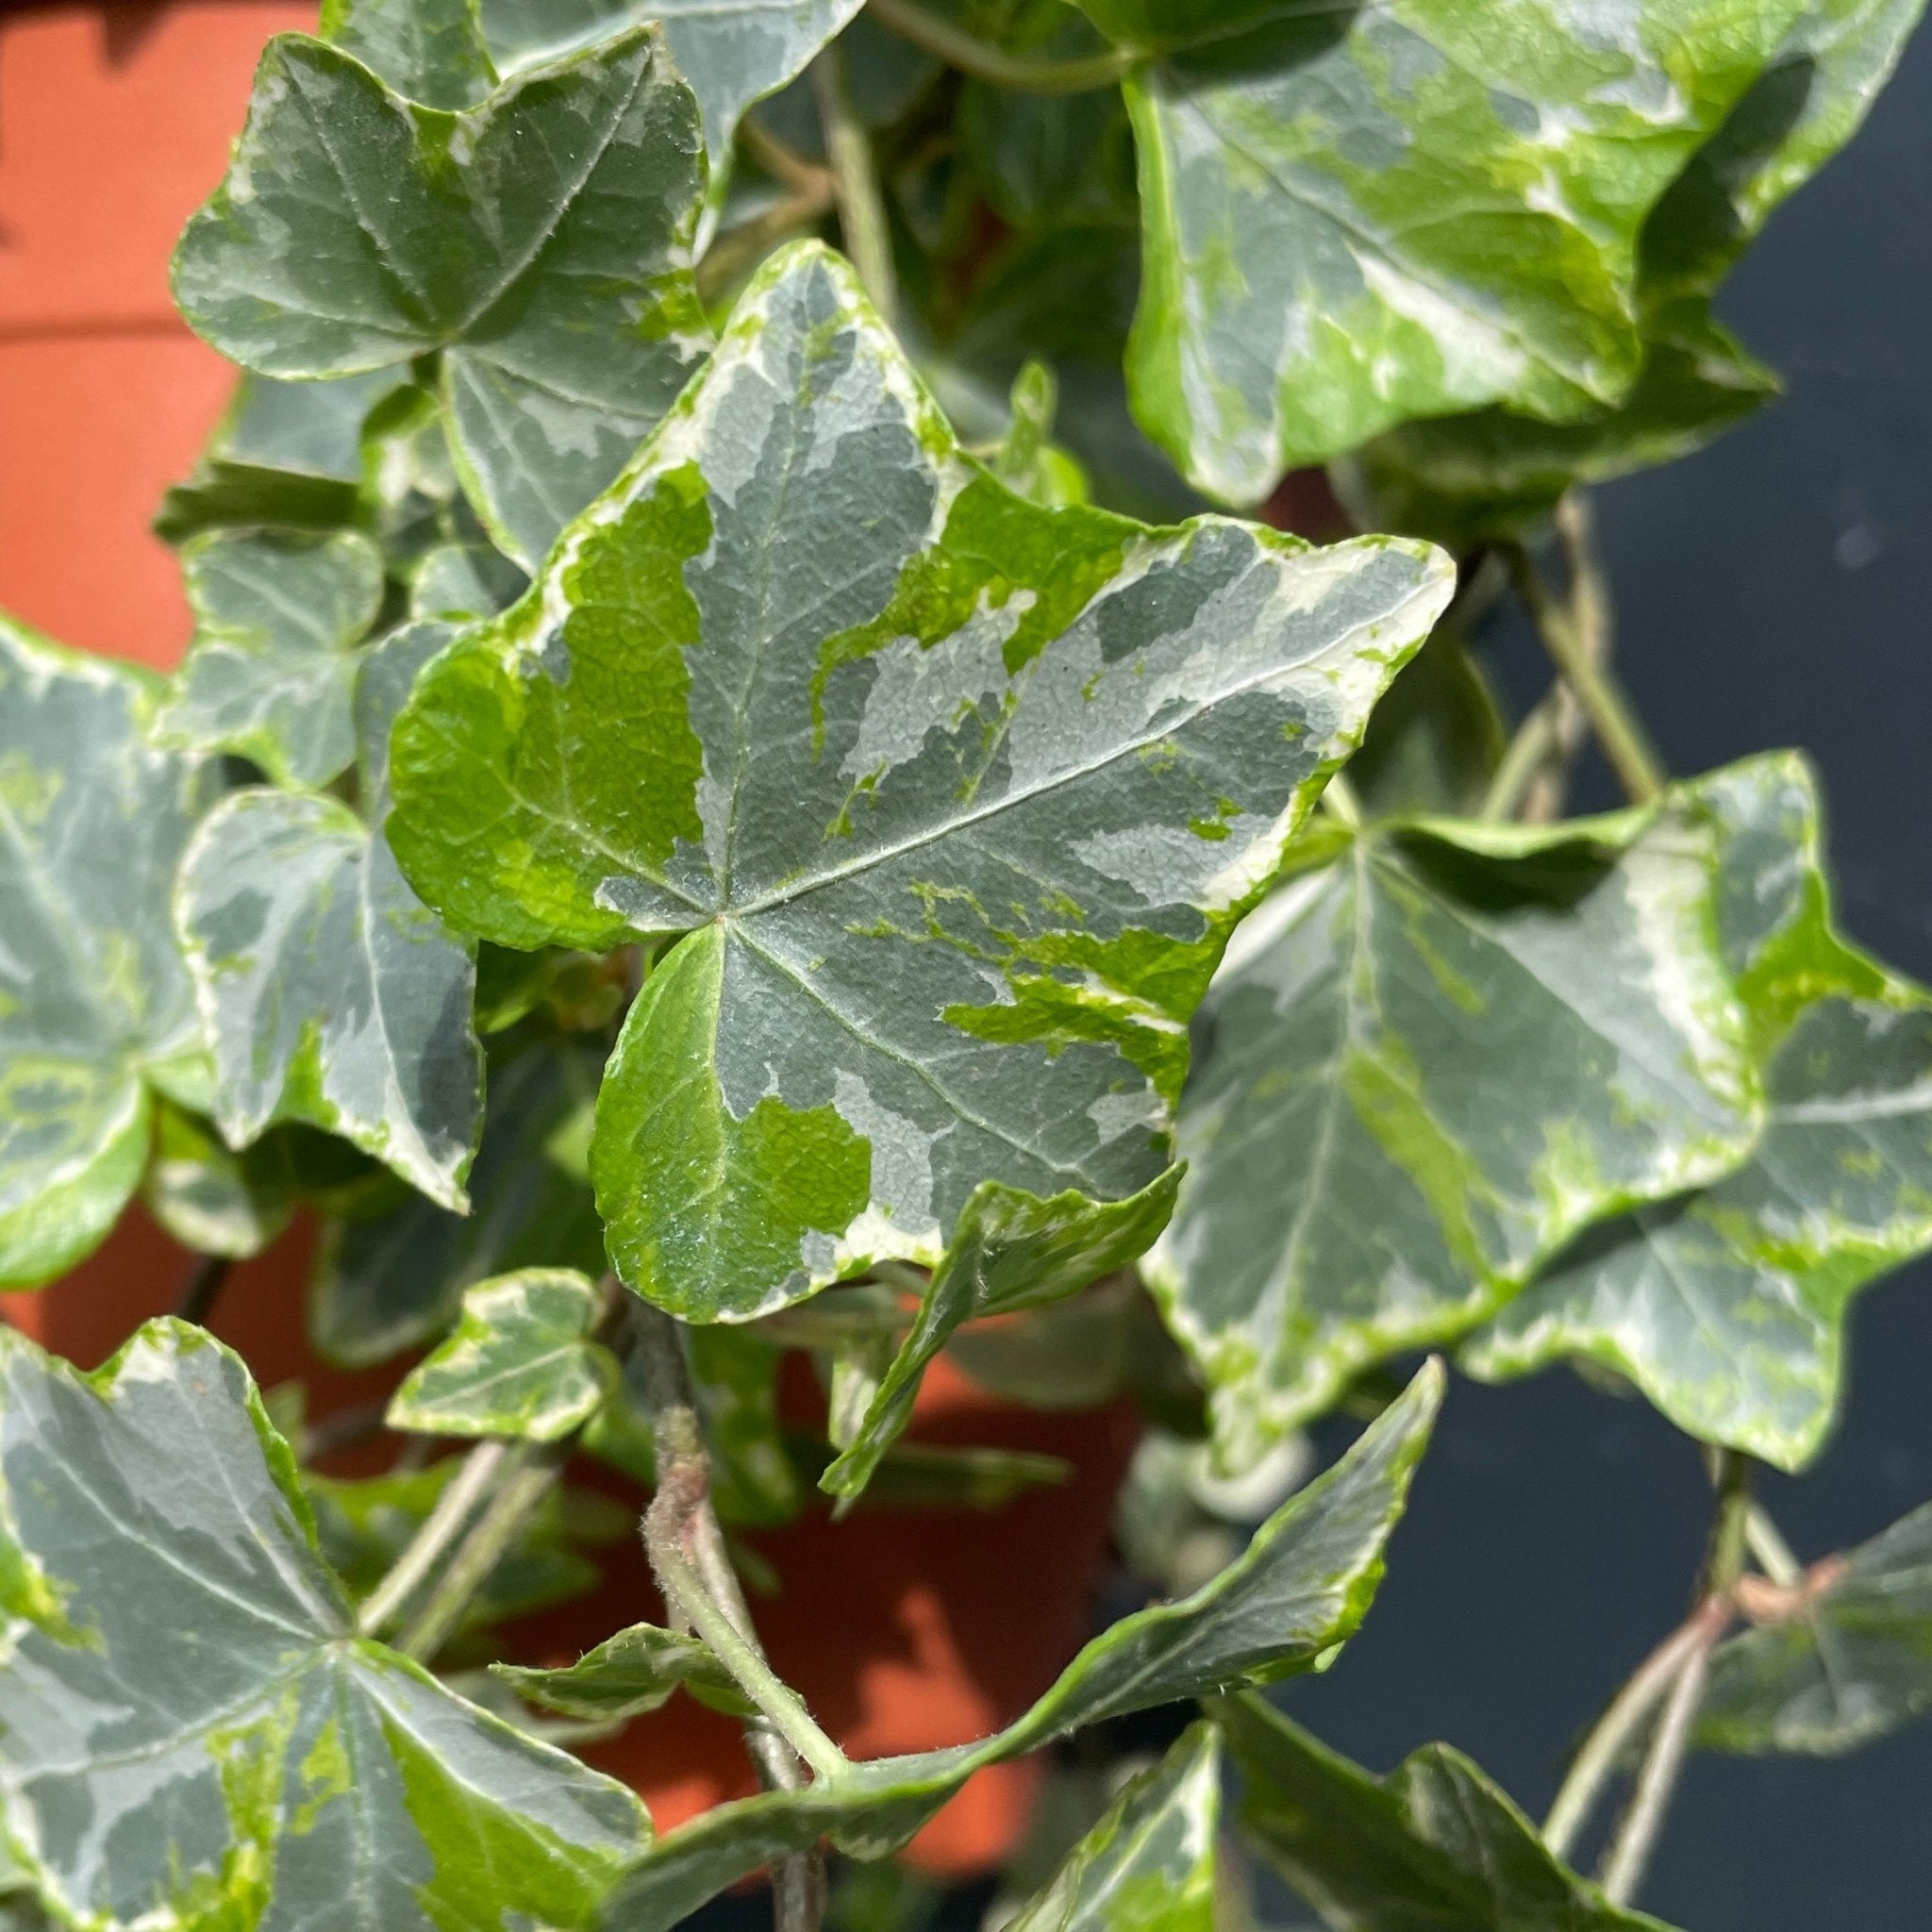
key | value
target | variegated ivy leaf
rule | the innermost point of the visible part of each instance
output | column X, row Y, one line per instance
column 270, row 673
column 191, row 1734
column 1433, row 1847
column 210, row 1197
column 1012, row 1251
column 1727, row 1307
column 331, row 992
column 1350, row 220
column 96, row 1011
column 629, row 1674
column 394, row 1281
column 949, row 833
column 1848, row 1662
column 731, row 56
column 1467, row 478
column 1148, row 1865
column 431, row 51
column 541, row 242
column 1435, row 1055
column 520, row 1362
column 1301, row 1587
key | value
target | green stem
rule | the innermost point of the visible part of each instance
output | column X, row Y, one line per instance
column 984, row 61
column 862, row 209
column 1770, row 1551
column 1340, row 797
column 527, row 1472
column 1575, row 636
column 441, row 1528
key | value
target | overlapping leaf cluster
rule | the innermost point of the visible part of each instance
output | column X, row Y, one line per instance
column 693, row 780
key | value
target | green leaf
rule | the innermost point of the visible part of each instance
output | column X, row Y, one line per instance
column 540, row 242
column 191, row 1734
column 730, row 56
column 1436, row 740
column 457, row 583
column 1353, row 220
column 1012, row 1251
column 210, row 1198
column 430, row 50
column 1429, row 1064
column 1148, row 1865
column 270, row 673
column 520, row 1362
column 1433, row 1847
column 953, row 834
column 1727, row 1307
column 95, row 1006
column 1851, row 1662
column 395, row 1282
column 331, row 993
column 627, row 1674
column 1301, row 1587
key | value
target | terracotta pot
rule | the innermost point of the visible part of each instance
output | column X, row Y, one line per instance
column 905, row 1632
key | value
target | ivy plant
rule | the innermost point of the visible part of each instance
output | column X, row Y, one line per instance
column 765, row 802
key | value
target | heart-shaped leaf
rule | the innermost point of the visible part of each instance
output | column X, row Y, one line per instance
column 542, row 242
column 627, row 1674
column 1355, row 218
column 1433, row 1847
column 1429, row 1062
column 191, row 1733
column 95, row 1006
column 430, row 50
column 1727, row 1307
column 954, row 829
column 331, row 993
column 270, row 673
column 1150, row 1861
column 1847, row 1662
column 1301, row 1587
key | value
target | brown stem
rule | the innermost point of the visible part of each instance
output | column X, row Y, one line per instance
column 203, row 1284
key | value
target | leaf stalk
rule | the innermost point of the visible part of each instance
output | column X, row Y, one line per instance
column 440, row 1530
column 984, row 61
column 856, row 183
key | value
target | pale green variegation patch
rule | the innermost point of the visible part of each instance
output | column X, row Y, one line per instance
column 1300, row 1589
column 954, row 799
column 1727, row 1306
column 331, row 992
column 1356, row 217
column 95, row 1006
column 521, row 1363
column 270, row 673
column 192, row 1736
column 1436, row 1054
column 539, row 242
column 1433, row 1847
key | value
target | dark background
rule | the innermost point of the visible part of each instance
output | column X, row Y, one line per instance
column 1776, row 589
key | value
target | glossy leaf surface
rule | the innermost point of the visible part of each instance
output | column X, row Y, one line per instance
column 270, row 673
column 1148, row 1865
column 1433, row 1847
column 1727, row 1306
column 540, row 242
column 430, row 50
column 1851, row 1663
column 626, row 1675
column 520, row 1362
column 954, row 828
column 1011, row 1252
column 190, row 1733
column 1301, row 1587
column 331, row 993
column 94, row 1002
column 1428, row 1063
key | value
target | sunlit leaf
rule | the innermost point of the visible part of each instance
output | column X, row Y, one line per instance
column 96, row 1006
column 953, row 851
column 430, row 50
column 191, row 1734
column 541, row 242
column 1301, row 1587
column 1427, row 1064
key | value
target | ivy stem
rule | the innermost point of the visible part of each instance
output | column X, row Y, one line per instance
column 524, row 1478
column 1770, row 1551
column 441, row 1528
column 1576, row 634
column 1597, row 1758
column 984, row 61
column 694, row 1570
column 856, row 182
column 1339, row 795
column 204, row 1282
